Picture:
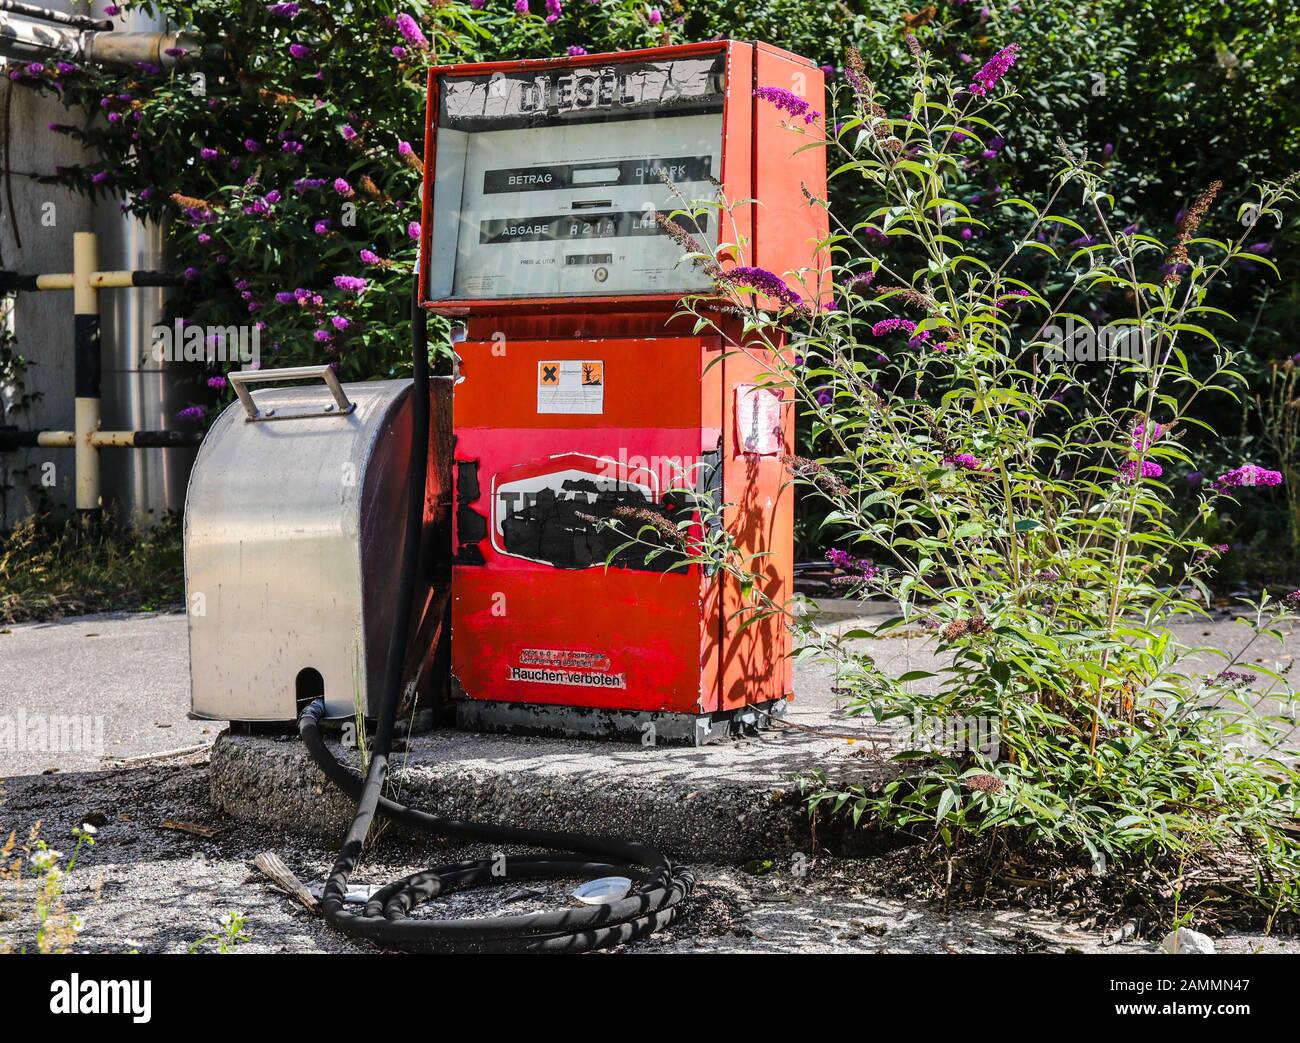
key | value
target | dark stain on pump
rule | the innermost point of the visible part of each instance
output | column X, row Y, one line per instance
column 563, row 528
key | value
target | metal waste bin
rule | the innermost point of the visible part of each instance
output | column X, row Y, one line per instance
column 294, row 525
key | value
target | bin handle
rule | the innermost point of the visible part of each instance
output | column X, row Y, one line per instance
column 242, row 377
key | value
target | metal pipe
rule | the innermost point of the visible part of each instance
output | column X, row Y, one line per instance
column 44, row 14
column 11, row 439
column 29, row 40
column 168, row 50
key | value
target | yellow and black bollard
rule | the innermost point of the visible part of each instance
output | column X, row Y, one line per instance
column 86, row 439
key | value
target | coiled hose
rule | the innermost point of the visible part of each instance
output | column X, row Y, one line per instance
column 659, row 888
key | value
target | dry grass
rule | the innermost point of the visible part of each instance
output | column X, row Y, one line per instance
column 51, row 568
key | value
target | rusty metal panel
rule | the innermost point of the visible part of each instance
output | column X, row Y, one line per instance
column 550, row 437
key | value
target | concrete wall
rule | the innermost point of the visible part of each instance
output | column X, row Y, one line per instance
column 42, row 322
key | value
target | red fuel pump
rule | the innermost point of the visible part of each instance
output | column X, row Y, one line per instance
column 585, row 391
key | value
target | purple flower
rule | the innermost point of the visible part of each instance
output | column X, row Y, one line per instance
column 965, row 462
column 521, row 6
column 398, row 52
column 886, row 326
column 842, row 559
column 787, row 101
column 252, row 145
column 1012, row 299
column 349, row 134
column 342, row 187
column 1143, row 438
column 994, row 69
column 350, row 283
column 204, row 238
column 1245, row 476
column 368, row 257
column 287, row 10
column 340, row 323
column 478, row 5
column 1129, row 470
column 763, row 281
column 575, row 51
column 111, row 10
column 99, row 177
column 410, row 30
column 191, row 413
column 322, row 336
column 413, row 230
column 291, row 146
column 285, row 297
column 404, row 149
column 299, row 51
column 655, row 17
column 553, row 10
column 191, row 273
column 321, row 227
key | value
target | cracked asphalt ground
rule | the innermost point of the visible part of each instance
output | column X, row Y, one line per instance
column 155, row 889
column 148, row 888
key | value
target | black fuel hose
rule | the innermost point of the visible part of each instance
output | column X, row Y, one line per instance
column 659, row 888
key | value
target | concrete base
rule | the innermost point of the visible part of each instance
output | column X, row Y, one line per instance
column 727, row 802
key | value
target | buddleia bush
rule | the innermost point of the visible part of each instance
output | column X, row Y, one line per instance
column 993, row 460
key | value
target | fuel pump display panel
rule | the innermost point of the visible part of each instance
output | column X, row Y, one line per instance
column 550, row 183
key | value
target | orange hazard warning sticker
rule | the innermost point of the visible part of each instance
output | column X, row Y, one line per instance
column 570, row 386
